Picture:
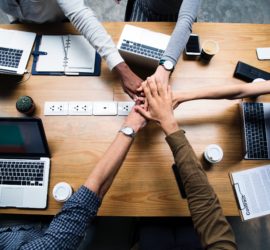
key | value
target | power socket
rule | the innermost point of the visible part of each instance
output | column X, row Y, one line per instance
column 125, row 107
column 56, row 108
column 105, row 108
column 80, row 108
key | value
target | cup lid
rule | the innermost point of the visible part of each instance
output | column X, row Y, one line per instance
column 214, row 153
column 259, row 80
column 62, row 191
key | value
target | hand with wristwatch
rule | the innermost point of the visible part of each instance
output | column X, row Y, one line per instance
column 133, row 123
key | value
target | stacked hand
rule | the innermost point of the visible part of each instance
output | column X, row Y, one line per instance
column 158, row 104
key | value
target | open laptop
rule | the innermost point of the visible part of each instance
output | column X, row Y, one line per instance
column 24, row 163
column 15, row 50
column 256, row 130
column 142, row 46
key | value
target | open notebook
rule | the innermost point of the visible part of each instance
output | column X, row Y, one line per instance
column 65, row 55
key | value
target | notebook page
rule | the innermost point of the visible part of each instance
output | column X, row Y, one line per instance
column 53, row 61
column 81, row 55
column 252, row 188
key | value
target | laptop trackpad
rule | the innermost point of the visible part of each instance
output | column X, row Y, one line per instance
column 11, row 197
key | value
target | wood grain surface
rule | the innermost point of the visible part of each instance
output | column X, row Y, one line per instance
column 145, row 185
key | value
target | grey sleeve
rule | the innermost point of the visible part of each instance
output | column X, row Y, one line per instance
column 187, row 15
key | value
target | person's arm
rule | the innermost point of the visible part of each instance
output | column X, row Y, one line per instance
column 86, row 22
column 237, row 91
column 68, row 227
column 103, row 174
column 206, row 212
column 187, row 15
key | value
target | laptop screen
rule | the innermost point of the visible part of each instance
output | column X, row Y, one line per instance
column 22, row 137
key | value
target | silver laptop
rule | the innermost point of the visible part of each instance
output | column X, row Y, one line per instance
column 256, row 130
column 142, row 46
column 24, row 163
column 15, row 50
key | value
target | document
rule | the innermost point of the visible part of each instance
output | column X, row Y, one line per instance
column 252, row 188
column 65, row 55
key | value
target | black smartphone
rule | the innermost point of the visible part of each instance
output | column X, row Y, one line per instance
column 193, row 46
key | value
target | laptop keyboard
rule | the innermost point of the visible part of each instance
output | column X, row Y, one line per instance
column 28, row 173
column 142, row 49
column 10, row 57
column 255, row 131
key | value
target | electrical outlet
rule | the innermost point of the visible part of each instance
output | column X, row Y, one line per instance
column 105, row 108
column 125, row 107
column 56, row 108
column 80, row 108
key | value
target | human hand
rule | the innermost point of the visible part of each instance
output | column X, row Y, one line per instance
column 158, row 104
column 135, row 120
column 161, row 75
column 130, row 81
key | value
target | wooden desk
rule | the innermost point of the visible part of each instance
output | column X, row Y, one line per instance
column 145, row 185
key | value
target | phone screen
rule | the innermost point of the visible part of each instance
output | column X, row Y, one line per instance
column 193, row 45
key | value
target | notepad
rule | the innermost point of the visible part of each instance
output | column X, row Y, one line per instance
column 252, row 188
column 65, row 55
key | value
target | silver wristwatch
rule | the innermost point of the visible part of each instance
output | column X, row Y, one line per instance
column 128, row 131
column 168, row 65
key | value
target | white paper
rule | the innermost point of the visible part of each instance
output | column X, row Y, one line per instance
column 53, row 61
column 81, row 55
column 252, row 188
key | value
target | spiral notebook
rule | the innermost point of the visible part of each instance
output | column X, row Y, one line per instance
column 65, row 55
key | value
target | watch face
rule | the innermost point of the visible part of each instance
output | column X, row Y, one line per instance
column 168, row 65
column 128, row 131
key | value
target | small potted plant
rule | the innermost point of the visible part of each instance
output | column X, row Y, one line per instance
column 25, row 105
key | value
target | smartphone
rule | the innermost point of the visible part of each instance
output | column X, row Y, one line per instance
column 193, row 46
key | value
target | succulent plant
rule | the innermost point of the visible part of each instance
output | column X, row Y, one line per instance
column 25, row 105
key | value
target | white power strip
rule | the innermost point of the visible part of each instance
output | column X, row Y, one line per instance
column 86, row 108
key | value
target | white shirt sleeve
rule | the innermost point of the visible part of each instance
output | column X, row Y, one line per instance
column 85, row 21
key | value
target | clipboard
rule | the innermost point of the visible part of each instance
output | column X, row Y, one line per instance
column 52, row 55
column 251, row 188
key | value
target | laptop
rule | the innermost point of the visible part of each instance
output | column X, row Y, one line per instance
column 256, row 130
column 24, row 163
column 15, row 50
column 142, row 46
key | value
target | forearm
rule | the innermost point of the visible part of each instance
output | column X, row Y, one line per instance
column 85, row 21
column 104, row 172
column 187, row 15
column 224, row 92
column 204, row 206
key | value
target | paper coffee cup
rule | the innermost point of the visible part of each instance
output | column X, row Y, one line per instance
column 209, row 49
column 62, row 191
column 213, row 153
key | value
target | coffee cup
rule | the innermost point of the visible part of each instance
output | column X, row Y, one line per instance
column 62, row 191
column 209, row 49
column 213, row 153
